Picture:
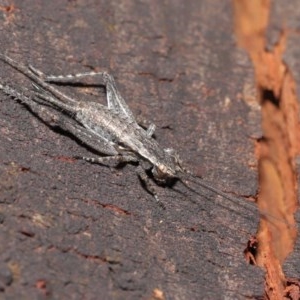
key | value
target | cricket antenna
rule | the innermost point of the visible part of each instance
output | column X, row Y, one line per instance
column 186, row 175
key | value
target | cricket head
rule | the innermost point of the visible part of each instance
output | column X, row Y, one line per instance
column 169, row 167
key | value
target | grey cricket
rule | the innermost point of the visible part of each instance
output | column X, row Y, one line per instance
column 112, row 131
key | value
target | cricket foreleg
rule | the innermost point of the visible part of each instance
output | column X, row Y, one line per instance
column 148, row 184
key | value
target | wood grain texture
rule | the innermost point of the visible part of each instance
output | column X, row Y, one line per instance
column 74, row 230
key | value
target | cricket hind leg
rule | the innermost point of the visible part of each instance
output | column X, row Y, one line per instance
column 114, row 100
column 46, row 115
column 37, row 77
column 53, row 118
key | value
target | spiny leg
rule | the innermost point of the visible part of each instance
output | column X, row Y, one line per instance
column 149, row 184
column 45, row 114
column 125, row 159
column 15, row 94
column 95, row 142
column 107, row 159
column 54, row 102
column 114, row 100
column 75, row 130
column 34, row 76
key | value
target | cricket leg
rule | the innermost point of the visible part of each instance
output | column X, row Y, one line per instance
column 148, row 184
column 95, row 142
column 145, row 124
column 36, row 77
column 128, row 158
column 150, row 130
column 107, row 159
column 45, row 114
column 114, row 100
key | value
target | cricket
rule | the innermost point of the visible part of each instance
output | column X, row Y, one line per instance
column 112, row 130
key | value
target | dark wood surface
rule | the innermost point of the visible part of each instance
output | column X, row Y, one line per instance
column 72, row 230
